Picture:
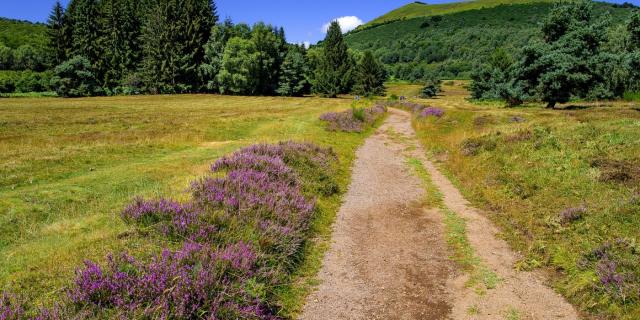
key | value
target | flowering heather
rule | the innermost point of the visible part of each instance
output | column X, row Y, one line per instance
column 572, row 214
column 349, row 121
column 189, row 283
column 242, row 232
column 10, row 309
column 431, row 112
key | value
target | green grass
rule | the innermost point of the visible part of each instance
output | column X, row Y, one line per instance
column 69, row 166
column 418, row 9
column 632, row 96
column 524, row 174
column 481, row 278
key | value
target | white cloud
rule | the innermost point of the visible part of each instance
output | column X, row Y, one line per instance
column 347, row 23
column 307, row 44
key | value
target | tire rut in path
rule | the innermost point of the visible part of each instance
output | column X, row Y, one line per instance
column 388, row 258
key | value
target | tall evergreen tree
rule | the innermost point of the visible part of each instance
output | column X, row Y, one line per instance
column 55, row 32
column 195, row 20
column 160, row 48
column 293, row 74
column 86, row 32
column 333, row 75
column 634, row 30
column 120, row 39
column 369, row 76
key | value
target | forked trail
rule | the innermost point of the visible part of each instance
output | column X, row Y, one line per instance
column 389, row 258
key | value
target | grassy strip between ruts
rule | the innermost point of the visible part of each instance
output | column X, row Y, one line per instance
column 481, row 278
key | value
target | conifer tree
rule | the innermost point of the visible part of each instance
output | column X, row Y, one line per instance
column 293, row 74
column 333, row 75
column 369, row 76
column 55, row 32
column 86, row 32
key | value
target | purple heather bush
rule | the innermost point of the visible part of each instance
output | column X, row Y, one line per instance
column 10, row 308
column 242, row 233
column 356, row 120
column 431, row 112
column 572, row 214
column 239, row 237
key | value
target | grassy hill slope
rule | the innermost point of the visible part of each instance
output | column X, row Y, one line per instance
column 449, row 45
column 14, row 33
column 419, row 9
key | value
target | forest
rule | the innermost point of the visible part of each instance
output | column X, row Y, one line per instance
column 172, row 46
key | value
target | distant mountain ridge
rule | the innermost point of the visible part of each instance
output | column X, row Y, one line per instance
column 419, row 9
column 14, row 33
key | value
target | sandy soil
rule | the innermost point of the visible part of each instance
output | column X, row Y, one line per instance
column 389, row 258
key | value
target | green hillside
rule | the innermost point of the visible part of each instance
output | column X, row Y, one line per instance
column 420, row 9
column 14, row 33
column 448, row 45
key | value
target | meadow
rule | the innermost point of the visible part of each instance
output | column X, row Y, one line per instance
column 561, row 184
column 69, row 166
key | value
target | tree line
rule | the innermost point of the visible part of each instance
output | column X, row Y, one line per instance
column 576, row 56
column 180, row 46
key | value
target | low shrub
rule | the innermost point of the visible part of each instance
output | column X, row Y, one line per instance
column 473, row 146
column 617, row 170
column 432, row 112
column 570, row 215
column 355, row 120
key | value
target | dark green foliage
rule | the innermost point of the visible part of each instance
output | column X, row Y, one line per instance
column 174, row 36
column 369, row 76
column 269, row 47
column 493, row 80
column 634, row 30
column 86, row 30
column 214, row 51
column 55, row 32
column 431, row 88
column 75, row 78
column 333, row 73
column 294, row 73
column 565, row 63
column 120, row 39
column 6, row 57
column 413, row 49
column 239, row 64
column 15, row 33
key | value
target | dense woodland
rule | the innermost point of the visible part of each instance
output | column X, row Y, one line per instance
column 171, row 46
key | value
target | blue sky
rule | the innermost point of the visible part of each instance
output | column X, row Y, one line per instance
column 303, row 20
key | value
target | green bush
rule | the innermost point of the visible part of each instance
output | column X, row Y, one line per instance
column 75, row 78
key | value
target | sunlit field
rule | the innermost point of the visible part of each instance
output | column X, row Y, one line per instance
column 69, row 166
column 562, row 184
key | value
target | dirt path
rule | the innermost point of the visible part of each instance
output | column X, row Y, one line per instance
column 389, row 258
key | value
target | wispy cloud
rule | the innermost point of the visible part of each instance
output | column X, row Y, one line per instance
column 347, row 23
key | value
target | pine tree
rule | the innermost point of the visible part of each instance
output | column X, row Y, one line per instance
column 55, row 32
column 333, row 75
column 160, row 48
column 195, row 20
column 369, row 76
column 293, row 74
column 120, row 39
column 86, row 32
